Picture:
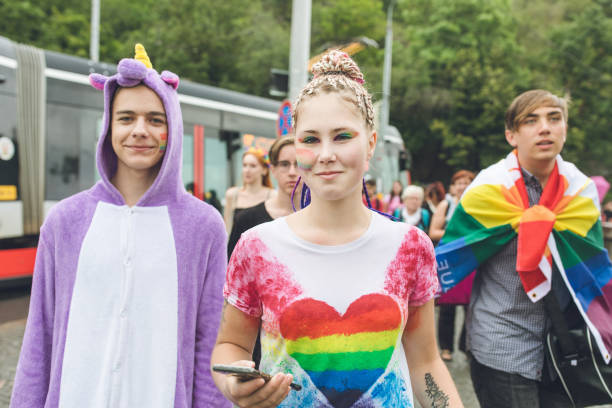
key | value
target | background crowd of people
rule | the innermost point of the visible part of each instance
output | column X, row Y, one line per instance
column 427, row 206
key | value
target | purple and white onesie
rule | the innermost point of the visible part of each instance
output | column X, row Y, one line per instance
column 126, row 301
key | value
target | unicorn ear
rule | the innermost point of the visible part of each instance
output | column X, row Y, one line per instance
column 97, row 81
column 170, row 78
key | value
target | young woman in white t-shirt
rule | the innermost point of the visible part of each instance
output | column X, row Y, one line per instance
column 343, row 295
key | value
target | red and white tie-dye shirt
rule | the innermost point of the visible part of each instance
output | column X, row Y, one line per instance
column 333, row 316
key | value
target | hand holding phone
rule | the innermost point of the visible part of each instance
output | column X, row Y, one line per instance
column 247, row 373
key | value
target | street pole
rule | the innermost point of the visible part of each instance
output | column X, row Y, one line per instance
column 300, row 47
column 94, row 39
column 384, row 109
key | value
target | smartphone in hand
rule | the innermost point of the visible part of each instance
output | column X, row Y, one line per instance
column 247, row 373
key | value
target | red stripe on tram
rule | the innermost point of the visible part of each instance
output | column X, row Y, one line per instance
column 17, row 263
column 198, row 161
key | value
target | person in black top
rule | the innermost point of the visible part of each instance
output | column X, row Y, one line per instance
column 283, row 169
column 256, row 186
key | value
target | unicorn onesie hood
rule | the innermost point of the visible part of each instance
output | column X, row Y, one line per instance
column 168, row 186
column 126, row 301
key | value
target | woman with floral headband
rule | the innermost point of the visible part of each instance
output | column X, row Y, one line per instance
column 344, row 296
column 256, row 186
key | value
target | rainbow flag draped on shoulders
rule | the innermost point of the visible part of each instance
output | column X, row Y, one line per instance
column 564, row 228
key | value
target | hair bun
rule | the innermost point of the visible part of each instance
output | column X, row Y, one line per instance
column 337, row 62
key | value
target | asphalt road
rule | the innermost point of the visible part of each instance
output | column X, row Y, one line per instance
column 14, row 303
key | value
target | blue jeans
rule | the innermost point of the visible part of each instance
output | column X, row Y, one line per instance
column 498, row 389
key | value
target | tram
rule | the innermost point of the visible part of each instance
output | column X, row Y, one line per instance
column 391, row 160
column 50, row 121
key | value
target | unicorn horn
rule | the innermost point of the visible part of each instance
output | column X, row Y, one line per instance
column 141, row 55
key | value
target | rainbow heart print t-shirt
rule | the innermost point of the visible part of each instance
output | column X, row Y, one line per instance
column 333, row 316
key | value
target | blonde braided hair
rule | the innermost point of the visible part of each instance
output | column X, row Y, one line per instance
column 336, row 71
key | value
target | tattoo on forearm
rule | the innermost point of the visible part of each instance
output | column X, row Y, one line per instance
column 439, row 398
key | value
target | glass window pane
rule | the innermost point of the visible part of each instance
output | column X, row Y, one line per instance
column 70, row 150
column 187, row 171
column 215, row 164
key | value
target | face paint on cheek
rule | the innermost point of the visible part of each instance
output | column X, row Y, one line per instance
column 164, row 142
column 305, row 159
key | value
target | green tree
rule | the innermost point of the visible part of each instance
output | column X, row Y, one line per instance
column 456, row 65
column 342, row 21
column 454, row 74
column 232, row 44
column 22, row 21
column 339, row 22
column 66, row 31
column 581, row 57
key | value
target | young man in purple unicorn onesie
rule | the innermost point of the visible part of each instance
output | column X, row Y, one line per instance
column 127, row 287
column 530, row 226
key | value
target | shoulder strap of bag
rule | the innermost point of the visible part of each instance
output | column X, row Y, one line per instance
column 559, row 325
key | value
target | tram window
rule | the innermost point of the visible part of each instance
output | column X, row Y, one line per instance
column 187, row 170
column 78, row 95
column 246, row 124
column 236, row 163
column 215, row 163
column 99, row 126
column 9, row 86
column 8, row 107
column 70, row 150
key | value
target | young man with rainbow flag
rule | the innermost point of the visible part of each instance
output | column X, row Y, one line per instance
column 529, row 224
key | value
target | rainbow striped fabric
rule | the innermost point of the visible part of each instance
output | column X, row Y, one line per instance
column 564, row 228
column 343, row 355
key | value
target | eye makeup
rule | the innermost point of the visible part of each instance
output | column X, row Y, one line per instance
column 307, row 139
column 346, row 135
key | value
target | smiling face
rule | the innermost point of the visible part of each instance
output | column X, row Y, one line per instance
column 540, row 136
column 252, row 170
column 333, row 146
column 285, row 171
column 139, row 130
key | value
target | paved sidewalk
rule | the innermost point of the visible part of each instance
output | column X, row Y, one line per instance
column 11, row 334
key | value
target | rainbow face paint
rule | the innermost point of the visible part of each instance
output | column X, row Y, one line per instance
column 164, row 142
column 305, row 158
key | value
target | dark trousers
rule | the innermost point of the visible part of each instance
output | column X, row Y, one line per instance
column 498, row 389
column 446, row 328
